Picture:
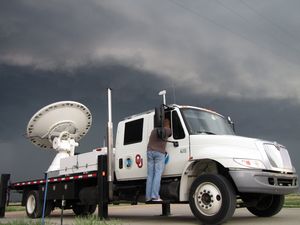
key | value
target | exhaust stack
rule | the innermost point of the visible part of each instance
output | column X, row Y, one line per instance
column 110, row 169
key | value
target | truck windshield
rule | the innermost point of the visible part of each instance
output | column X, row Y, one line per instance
column 203, row 122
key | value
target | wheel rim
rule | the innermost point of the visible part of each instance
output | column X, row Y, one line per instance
column 208, row 199
column 30, row 206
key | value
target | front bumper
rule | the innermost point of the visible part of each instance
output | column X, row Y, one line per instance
column 255, row 181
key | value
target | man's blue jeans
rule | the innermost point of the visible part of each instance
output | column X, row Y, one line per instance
column 156, row 165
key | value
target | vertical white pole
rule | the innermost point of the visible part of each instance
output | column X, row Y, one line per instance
column 110, row 169
column 164, row 99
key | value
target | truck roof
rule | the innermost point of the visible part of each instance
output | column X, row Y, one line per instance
column 194, row 107
column 173, row 106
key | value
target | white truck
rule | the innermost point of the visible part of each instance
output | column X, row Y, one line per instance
column 207, row 166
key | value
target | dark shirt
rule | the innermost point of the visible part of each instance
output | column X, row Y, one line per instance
column 157, row 144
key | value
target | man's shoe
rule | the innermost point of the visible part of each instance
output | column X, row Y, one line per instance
column 157, row 200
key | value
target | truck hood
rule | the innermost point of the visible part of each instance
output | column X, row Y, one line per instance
column 225, row 148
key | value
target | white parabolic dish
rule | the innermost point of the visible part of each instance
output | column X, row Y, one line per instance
column 50, row 121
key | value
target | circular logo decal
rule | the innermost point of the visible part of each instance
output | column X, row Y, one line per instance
column 139, row 160
column 128, row 162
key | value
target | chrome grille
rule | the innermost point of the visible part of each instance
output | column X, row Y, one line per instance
column 278, row 156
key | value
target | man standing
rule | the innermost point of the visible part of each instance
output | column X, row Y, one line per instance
column 156, row 161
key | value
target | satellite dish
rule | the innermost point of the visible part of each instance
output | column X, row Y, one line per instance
column 59, row 126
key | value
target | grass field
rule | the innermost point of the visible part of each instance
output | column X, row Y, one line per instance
column 92, row 220
column 14, row 208
column 22, row 222
column 292, row 201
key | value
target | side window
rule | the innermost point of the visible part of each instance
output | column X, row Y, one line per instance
column 178, row 132
column 133, row 132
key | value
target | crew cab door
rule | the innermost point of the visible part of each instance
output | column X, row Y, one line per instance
column 178, row 156
column 131, row 147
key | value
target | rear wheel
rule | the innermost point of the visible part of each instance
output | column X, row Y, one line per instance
column 49, row 208
column 34, row 206
column 212, row 199
column 92, row 209
column 84, row 210
column 268, row 205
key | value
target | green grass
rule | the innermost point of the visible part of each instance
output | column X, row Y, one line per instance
column 91, row 220
column 94, row 220
column 292, row 201
column 14, row 208
column 24, row 222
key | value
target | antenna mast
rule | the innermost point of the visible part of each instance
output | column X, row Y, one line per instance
column 163, row 93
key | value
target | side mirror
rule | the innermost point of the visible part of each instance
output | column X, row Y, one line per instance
column 159, row 116
column 229, row 120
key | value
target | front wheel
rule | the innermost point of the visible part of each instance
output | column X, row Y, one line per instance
column 268, row 205
column 212, row 199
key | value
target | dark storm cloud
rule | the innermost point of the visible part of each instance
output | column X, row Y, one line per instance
column 23, row 89
column 45, row 34
column 222, row 55
column 224, row 45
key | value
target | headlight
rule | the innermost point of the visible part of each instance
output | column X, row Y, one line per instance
column 251, row 163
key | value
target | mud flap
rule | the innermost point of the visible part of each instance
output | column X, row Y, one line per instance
column 3, row 193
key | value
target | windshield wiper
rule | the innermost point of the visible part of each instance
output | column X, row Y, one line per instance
column 205, row 132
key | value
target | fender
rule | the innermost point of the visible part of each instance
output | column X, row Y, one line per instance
column 195, row 168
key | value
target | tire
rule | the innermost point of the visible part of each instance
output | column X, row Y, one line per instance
column 268, row 205
column 49, row 208
column 212, row 199
column 34, row 205
column 84, row 210
column 92, row 209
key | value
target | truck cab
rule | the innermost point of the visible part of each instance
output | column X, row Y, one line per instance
column 207, row 164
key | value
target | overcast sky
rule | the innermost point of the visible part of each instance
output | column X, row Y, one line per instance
column 238, row 57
